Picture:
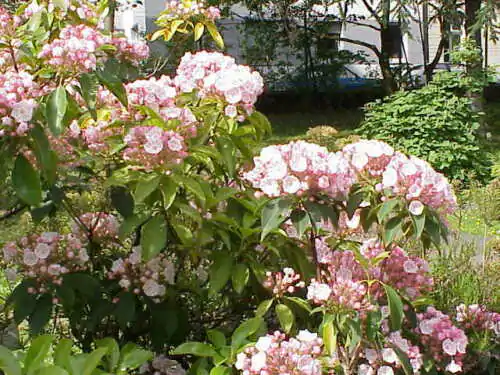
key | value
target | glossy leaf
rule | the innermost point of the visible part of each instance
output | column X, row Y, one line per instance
column 62, row 353
column 51, row 370
column 168, row 189
column 244, row 330
column 57, row 104
column 26, row 182
column 214, row 33
column 132, row 357
column 274, row 214
column 395, row 308
column 240, row 277
column 220, row 271
column 8, row 362
column 122, row 200
column 114, row 84
column 153, row 237
column 37, row 353
column 216, row 337
column 264, row 307
column 90, row 86
column 146, row 187
column 199, row 28
column 198, row 349
column 386, row 208
column 285, row 317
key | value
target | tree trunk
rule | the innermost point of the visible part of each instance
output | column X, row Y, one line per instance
column 388, row 81
column 472, row 8
column 110, row 19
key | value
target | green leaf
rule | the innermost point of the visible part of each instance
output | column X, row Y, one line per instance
column 220, row 370
column 90, row 86
column 8, row 362
column 386, row 208
column 303, row 304
column 395, row 308
column 51, row 370
column 168, row 189
column 240, row 277
column 216, row 337
column 404, row 360
column 220, row 271
column 46, row 157
column 37, row 353
column 273, row 214
column 122, row 200
column 145, row 187
column 85, row 284
column 26, row 182
column 285, row 316
column 353, row 203
column 112, row 354
column 264, row 307
column 114, row 84
column 125, row 309
column 62, row 353
column 153, row 237
column 184, row 233
column 41, row 315
column 57, row 104
column 329, row 334
column 93, row 360
column 133, row 357
column 214, row 33
column 301, row 221
column 198, row 349
column 244, row 330
column 418, row 224
column 322, row 212
column 198, row 31
column 226, row 147
column 192, row 186
column 393, row 230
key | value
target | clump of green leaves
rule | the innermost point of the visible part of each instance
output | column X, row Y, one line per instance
column 437, row 123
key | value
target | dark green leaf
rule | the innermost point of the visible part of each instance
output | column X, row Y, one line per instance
column 240, row 277
column 122, row 200
column 285, row 316
column 395, row 308
column 220, row 271
column 198, row 349
column 386, row 208
column 41, row 315
column 227, row 150
column 114, row 84
column 125, row 309
column 393, row 229
column 301, row 221
column 46, row 157
column 264, row 307
column 244, row 330
column 90, row 86
column 273, row 214
column 145, row 187
column 353, row 203
column 216, row 337
column 57, row 104
column 168, row 189
column 153, row 237
column 26, row 182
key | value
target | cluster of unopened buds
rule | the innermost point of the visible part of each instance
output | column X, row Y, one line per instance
column 344, row 280
column 275, row 354
column 45, row 259
column 8, row 23
column 151, row 146
column 100, row 226
column 17, row 102
column 162, row 365
column 300, row 167
column 445, row 342
column 144, row 277
column 188, row 8
column 478, row 318
column 281, row 283
column 215, row 75
column 386, row 361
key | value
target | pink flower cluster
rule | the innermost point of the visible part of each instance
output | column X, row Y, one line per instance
column 75, row 50
column 300, row 167
column 100, row 226
column 369, row 157
column 410, row 275
column 189, row 8
column 94, row 134
column 386, row 361
column 274, row 355
column 478, row 318
column 149, row 278
column 416, row 181
column 17, row 104
column 446, row 343
column 150, row 147
column 8, row 24
column 344, row 284
column 213, row 74
column 133, row 51
column 344, row 281
column 281, row 283
column 45, row 258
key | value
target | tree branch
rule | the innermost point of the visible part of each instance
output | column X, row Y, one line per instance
column 372, row 11
column 12, row 212
column 364, row 25
column 370, row 46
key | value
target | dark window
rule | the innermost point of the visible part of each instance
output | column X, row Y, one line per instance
column 395, row 41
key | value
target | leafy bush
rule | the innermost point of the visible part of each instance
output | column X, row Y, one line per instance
column 434, row 123
column 154, row 223
column 323, row 135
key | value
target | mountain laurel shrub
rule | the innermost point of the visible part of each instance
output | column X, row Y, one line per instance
column 437, row 123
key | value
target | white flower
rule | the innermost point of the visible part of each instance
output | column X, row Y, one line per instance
column 151, row 288
column 365, row 369
column 291, row 184
column 153, row 147
column 371, row 355
column 174, row 144
column 319, row 292
column 306, row 336
column 385, row 370
column 390, row 177
column 410, row 266
column 124, row 283
column 23, row 110
column 258, row 361
column 426, row 326
column 453, row 367
column 450, row 347
column 416, row 208
column 30, row 258
column 264, row 343
column 389, row 355
column 240, row 361
column 42, row 250
column 49, row 236
column 11, row 274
